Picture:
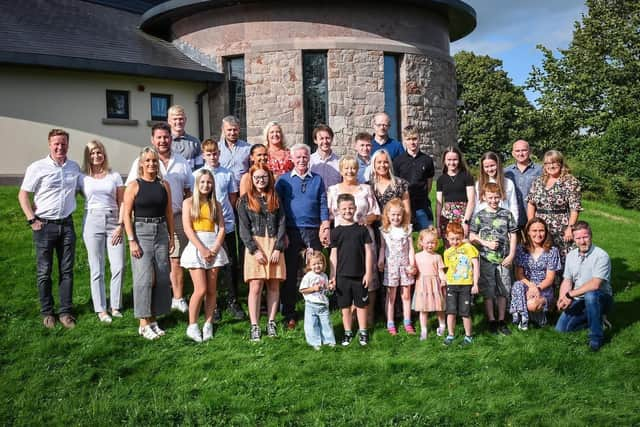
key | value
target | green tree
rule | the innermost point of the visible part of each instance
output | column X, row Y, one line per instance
column 493, row 112
column 596, row 79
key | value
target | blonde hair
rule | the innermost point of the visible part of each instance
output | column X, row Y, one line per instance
column 211, row 197
column 86, row 162
column 374, row 176
column 428, row 232
column 316, row 255
column 555, row 156
column 395, row 203
column 149, row 149
column 265, row 134
column 347, row 160
column 175, row 110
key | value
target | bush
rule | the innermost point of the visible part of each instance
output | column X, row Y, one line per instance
column 627, row 192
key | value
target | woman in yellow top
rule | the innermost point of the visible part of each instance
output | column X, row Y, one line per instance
column 204, row 255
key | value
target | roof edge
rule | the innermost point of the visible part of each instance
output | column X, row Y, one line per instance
column 157, row 21
column 112, row 67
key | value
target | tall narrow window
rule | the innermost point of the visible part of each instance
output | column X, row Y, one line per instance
column 392, row 93
column 314, row 83
column 237, row 99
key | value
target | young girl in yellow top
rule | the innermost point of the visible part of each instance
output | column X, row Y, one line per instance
column 204, row 226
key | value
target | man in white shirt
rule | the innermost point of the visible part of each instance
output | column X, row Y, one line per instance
column 53, row 181
column 324, row 161
column 177, row 172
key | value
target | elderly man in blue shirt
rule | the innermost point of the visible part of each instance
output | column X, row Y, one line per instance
column 304, row 200
column 585, row 293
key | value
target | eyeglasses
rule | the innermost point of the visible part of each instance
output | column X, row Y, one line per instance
column 303, row 187
column 382, row 125
column 260, row 177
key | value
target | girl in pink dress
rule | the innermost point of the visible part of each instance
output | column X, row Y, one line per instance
column 430, row 282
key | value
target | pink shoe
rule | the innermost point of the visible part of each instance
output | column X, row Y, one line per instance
column 409, row 329
column 392, row 330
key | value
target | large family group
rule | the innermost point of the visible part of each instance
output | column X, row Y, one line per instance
column 259, row 212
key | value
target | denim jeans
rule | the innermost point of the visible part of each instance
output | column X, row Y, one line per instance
column 586, row 313
column 423, row 218
column 317, row 325
column 99, row 225
column 299, row 240
column 61, row 239
column 151, row 285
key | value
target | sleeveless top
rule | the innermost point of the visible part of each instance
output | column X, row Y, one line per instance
column 151, row 200
column 203, row 223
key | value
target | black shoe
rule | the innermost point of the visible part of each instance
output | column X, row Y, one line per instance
column 493, row 327
column 346, row 340
column 364, row 338
column 236, row 310
column 217, row 316
column 502, row 328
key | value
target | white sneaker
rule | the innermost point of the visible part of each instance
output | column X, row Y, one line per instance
column 159, row 332
column 193, row 332
column 104, row 318
column 147, row 332
column 179, row 304
column 440, row 331
column 207, row 331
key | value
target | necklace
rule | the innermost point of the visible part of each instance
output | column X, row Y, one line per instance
column 452, row 177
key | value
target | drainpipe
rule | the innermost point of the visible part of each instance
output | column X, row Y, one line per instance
column 201, row 113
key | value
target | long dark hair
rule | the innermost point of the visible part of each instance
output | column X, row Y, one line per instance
column 528, row 243
column 462, row 165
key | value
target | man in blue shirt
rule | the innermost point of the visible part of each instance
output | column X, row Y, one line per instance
column 585, row 294
column 304, row 200
column 523, row 172
column 381, row 138
column 234, row 152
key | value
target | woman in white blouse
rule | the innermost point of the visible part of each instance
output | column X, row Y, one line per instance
column 367, row 211
column 491, row 171
column 103, row 228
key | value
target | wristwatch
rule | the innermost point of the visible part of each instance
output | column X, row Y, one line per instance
column 569, row 296
column 32, row 220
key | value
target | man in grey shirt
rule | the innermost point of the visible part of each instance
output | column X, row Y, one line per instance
column 188, row 146
column 585, row 293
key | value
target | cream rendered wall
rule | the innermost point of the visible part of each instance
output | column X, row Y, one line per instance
column 35, row 100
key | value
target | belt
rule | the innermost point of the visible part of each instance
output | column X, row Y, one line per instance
column 150, row 220
column 55, row 221
column 552, row 211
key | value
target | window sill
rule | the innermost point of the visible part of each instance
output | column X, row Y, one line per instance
column 120, row 122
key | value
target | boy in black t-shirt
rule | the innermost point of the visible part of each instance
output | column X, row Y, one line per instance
column 351, row 255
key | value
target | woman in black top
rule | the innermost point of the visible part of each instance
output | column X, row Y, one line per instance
column 148, row 219
column 455, row 197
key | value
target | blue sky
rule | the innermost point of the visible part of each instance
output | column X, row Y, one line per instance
column 510, row 30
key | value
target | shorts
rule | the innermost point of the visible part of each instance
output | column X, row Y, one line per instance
column 179, row 238
column 459, row 300
column 495, row 280
column 350, row 291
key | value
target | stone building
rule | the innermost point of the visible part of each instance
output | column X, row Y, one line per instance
column 108, row 69
column 302, row 62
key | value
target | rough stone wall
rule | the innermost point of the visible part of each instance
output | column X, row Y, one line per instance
column 273, row 85
column 356, row 93
column 428, row 101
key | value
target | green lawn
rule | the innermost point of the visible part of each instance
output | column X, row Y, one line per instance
column 101, row 374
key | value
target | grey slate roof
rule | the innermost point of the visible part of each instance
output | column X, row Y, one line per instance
column 82, row 35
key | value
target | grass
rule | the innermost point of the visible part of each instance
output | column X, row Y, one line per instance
column 101, row 374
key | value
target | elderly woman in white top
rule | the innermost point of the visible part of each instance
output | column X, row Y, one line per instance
column 102, row 228
column 367, row 210
column 491, row 171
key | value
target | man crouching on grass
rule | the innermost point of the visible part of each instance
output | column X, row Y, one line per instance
column 351, row 261
column 585, row 293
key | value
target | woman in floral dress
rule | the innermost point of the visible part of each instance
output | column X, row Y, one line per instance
column 385, row 185
column 279, row 160
column 555, row 197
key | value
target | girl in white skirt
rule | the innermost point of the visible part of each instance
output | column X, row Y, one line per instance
column 204, row 255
